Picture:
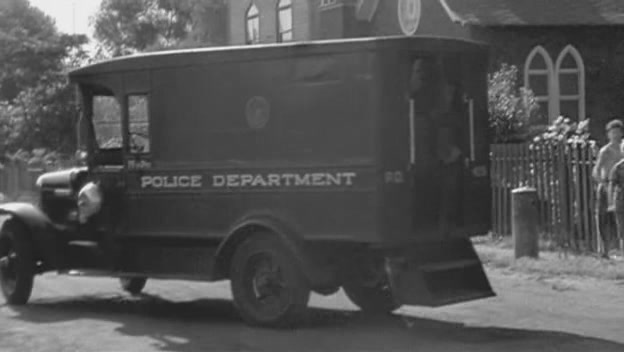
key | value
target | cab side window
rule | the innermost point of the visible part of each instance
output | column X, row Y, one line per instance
column 107, row 122
column 138, row 128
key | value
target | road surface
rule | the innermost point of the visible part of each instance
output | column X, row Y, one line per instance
column 530, row 314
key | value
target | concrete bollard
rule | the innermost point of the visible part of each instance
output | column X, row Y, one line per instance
column 524, row 222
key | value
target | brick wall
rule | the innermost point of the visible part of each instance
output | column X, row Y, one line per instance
column 602, row 50
column 302, row 20
column 338, row 20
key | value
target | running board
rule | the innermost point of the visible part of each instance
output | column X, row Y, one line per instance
column 85, row 272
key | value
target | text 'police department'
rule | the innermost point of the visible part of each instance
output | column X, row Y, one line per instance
column 318, row 179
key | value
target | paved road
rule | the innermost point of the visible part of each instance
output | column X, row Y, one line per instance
column 530, row 314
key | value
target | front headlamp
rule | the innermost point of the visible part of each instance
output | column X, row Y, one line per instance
column 89, row 202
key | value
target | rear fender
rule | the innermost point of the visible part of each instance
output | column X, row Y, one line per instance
column 41, row 230
column 288, row 235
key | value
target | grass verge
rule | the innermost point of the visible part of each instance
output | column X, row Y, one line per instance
column 501, row 255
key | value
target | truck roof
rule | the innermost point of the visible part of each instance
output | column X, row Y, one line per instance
column 190, row 57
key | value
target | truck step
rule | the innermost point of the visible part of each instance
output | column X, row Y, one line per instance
column 447, row 272
column 458, row 264
column 459, row 296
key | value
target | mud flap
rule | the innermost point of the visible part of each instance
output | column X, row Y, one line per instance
column 438, row 274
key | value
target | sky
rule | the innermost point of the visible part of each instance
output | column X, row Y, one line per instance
column 71, row 16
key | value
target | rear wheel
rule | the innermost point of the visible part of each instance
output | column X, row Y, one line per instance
column 376, row 299
column 17, row 264
column 268, row 286
column 133, row 285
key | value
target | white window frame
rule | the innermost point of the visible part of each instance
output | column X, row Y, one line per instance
column 249, row 18
column 551, row 97
column 580, row 72
column 326, row 3
column 281, row 7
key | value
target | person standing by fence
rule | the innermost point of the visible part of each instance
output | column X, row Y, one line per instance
column 616, row 178
column 608, row 157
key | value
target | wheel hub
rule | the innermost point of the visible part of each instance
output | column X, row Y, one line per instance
column 267, row 281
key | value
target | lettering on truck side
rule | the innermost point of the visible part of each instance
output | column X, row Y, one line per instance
column 318, row 179
column 168, row 182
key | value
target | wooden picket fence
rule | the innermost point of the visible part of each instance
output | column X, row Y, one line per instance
column 18, row 178
column 17, row 182
column 561, row 174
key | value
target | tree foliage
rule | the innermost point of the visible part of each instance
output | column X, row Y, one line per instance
column 128, row 26
column 510, row 106
column 30, row 46
column 42, row 116
column 36, row 101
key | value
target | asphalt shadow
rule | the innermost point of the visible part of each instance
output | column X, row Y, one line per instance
column 214, row 325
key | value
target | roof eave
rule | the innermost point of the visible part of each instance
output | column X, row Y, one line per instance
column 453, row 16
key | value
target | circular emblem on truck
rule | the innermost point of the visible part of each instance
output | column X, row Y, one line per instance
column 409, row 15
column 258, row 112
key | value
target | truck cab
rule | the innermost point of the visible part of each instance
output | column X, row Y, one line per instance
column 286, row 169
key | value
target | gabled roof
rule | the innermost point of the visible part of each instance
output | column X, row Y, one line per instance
column 536, row 12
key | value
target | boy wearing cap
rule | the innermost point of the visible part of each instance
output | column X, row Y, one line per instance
column 605, row 174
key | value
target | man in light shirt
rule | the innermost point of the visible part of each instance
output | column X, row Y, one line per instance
column 608, row 157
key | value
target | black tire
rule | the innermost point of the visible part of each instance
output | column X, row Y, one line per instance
column 269, row 287
column 133, row 285
column 17, row 263
column 373, row 300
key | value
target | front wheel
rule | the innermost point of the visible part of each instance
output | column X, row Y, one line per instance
column 374, row 299
column 17, row 264
column 268, row 286
column 133, row 285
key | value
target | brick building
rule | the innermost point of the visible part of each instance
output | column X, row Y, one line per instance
column 570, row 52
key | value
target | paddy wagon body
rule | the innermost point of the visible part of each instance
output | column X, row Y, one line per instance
column 284, row 168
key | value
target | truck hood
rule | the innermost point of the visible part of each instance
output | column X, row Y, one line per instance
column 59, row 179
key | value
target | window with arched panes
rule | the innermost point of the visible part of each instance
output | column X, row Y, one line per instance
column 570, row 74
column 538, row 77
column 284, row 21
column 252, row 25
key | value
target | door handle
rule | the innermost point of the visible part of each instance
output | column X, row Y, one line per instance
column 412, row 136
column 471, row 129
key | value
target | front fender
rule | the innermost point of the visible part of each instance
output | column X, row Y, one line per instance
column 40, row 228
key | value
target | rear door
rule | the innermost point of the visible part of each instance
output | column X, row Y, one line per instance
column 449, row 145
column 477, row 188
column 462, row 144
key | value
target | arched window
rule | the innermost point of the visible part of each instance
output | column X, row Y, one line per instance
column 252, row 25
column 571, row 83
column 538, row 76
column 284, row 21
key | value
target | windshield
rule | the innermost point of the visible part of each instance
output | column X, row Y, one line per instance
column 107, row 122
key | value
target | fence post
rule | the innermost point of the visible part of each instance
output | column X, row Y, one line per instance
column 524, row 219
